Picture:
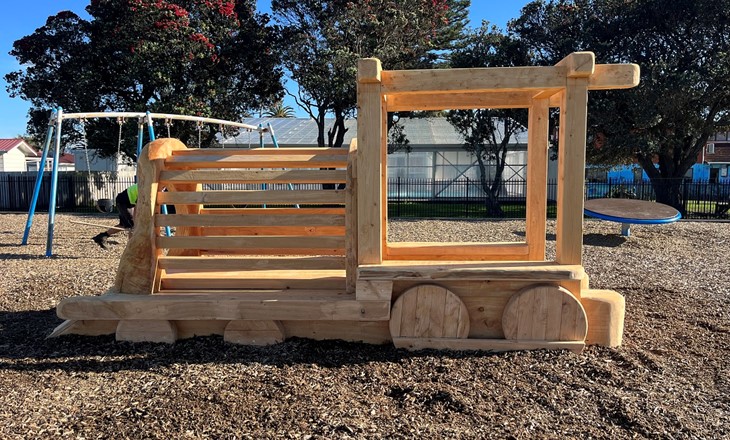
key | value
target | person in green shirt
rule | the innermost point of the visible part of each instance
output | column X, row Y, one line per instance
column 125, row 202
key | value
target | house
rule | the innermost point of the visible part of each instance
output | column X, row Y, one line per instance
column 90, row 160
column 15, row 154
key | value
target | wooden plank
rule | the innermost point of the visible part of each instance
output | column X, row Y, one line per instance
column 374, row 290
column 437, row 317
column 486, row 79
column 272, row 212
column 571, row 172
column 251, row 263
column 249, row 220
column 578, row 64
column 440, row 101
column 371, row 141
column 531, row 308
column 614, row 76
column 292, row 160
column 261, row 242
column 537, row 155
column 456, row 251
column 254, row 176
column 252, row 197
column 422, row 315
column 490, row 345
column 258, row 151
column 293, row 231
column 408, row 304
column 605, row 310
column 233, row 281
column 471, row 271
column 275, row 251
column 201, row 307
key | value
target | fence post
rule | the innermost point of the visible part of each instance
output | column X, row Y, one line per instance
column 398, row 196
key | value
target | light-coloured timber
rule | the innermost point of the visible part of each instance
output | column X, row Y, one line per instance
column 461, row 270
column 429, row 311
column 544, row 313
column 254, row 176
column 316, row 262
column 221, row 307
column 147, row 331
column 254, row 332
column 455, row 251
column 252, row 197
column 263, row 161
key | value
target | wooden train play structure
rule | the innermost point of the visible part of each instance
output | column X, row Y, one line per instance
column 316, row 263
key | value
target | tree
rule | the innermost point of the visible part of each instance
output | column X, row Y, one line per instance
column 198, row 57
column 279, row 110
column 682, row 48
column 325, row 38
column 488, row 133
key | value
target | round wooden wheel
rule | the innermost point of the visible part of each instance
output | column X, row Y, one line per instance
column 429, row 311
column 544, row 313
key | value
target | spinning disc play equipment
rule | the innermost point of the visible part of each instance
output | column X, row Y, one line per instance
column 630, row 211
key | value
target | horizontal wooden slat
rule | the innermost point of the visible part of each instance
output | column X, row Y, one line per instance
column 259, row 161
column 252, row 197
column 274, row 251
column 234, row 220
column 249, row 263
column 219, row 307
column 456, row 251
column 462, row 270
column 254, row 176
column 441, row 101
column 292, row 231
column 271, row 212
column 503, row 79
column 268, row 279
column 258, row 151
column 266, row 242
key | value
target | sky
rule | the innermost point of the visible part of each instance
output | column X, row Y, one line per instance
column 21, row 18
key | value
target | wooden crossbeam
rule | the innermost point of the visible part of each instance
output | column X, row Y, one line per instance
column 267, row 242
column 236, row 220
column 254, row 176
column 285, row 197
column 259, row 161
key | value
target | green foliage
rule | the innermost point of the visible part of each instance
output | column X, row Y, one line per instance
column 199, row 57
column 279, row 110
column 325, row 38
column 682, row 49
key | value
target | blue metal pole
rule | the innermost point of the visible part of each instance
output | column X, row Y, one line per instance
column 151, row 132
column 54, row 184
column 39, row 177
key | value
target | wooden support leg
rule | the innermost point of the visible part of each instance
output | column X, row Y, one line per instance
column 146, row 331
column 254, row 332
column 605, row 311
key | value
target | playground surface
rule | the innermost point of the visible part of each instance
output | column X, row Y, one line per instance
column 670, row 379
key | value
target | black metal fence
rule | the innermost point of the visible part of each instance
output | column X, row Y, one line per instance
column 462, row 198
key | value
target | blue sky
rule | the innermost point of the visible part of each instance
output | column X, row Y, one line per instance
column 23, row 17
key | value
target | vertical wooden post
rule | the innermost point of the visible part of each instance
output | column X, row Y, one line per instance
column 369, row 163
column 571, row 171
column 351, row 220
column 537, row 152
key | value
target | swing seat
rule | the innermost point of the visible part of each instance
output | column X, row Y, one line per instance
column 105, row 205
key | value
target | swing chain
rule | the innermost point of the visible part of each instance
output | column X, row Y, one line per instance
column 199, row 125
column 168, row 124
column 120, row 122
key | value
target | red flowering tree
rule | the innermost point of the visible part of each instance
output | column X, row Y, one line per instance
column 199, row 57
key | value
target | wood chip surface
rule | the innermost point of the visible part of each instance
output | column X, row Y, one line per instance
column 670, row 379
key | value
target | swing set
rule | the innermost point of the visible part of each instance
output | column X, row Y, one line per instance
column 53, row 134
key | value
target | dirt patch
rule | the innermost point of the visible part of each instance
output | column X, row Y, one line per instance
column 671, row 378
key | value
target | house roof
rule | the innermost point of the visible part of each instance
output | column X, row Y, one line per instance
column 303, row 132
column 10, row 144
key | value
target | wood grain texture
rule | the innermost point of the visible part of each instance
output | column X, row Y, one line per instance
column 159, row 330
column 537, row 160
column 254, row 176
column 429, row 311
column 254, row 332
column 466, row 270
column 545, row 313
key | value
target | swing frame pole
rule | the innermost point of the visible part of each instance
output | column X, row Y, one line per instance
column 39, row 177
column 151, row 132
column 54, row 184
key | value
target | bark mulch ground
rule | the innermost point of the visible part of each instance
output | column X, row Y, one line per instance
column 670, row 379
